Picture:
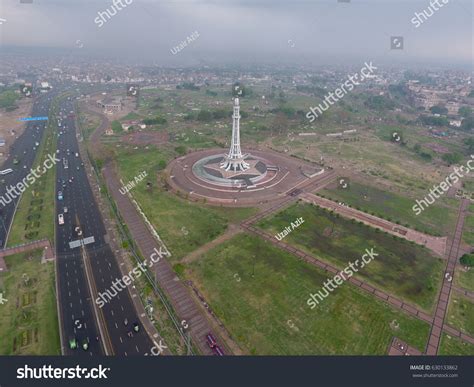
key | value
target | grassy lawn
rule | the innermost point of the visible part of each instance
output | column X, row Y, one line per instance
column 402, row 268
column 35, row 218
column 454, row 346
column 183, row 225
column 461, row 313
column 465, row 278
column 28, row 320
column 267, row 313
column 468, row 230
column 437, row 219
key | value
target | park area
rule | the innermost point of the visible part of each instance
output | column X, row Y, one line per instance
column 183, row 225
column 438, row 219
column 259, row 292
column 28, row 319
column 402, row 268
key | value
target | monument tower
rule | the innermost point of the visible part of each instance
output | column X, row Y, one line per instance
column 235, row 160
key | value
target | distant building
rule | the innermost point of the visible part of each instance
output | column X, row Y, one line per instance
column 110, row 105
column 128, row 124
column 455, row 123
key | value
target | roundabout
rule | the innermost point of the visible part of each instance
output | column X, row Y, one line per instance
column 235, row 178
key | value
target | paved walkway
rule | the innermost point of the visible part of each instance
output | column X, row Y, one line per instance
column 113, row 239
column 232, row 231
column 465, row 292
column 182, row 301
column 435, row 244
column 400, row 348
column 443, row 300
column 40, row 244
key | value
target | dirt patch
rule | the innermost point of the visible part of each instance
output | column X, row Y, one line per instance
column 10, row 127
column 146, row 138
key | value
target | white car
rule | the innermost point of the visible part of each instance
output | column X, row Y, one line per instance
column 6, row 171
column 65, row 210
column 61, row 219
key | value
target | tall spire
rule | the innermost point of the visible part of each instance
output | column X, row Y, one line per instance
column 234, row 159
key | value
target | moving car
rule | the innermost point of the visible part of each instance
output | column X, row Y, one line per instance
column 136, row 327
column 61, row 219
column 60, row 195
column 72, row 343
column 65, row 210
column 6, row 171
column 211, row 340
column 218, row 351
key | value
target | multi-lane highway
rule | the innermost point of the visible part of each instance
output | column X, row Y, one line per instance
column 21, row 158
column 74, row 281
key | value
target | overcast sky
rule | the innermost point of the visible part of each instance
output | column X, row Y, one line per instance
column 269, row 31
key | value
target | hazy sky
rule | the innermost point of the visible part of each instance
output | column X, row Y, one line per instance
column 270, row 31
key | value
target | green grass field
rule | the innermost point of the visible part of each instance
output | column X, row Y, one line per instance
column 468, row 230
column 28, row 320
column 183, row 225
column 460, row 313
column 266, row 313
column 437, row 219
column 465, row 278
column 453, row 346
column 402, row 268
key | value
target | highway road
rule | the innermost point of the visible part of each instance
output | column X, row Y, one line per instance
column 76, row 304
column 21, row 158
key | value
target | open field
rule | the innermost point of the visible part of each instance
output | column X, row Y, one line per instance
column 183, row 226
column 453, row 346
column 10, row 126
column 460, row 313
column 402, row 268
column 29, row 321
column 465, row 278
column 468, row 231
column 438, row 219
column 259, row 292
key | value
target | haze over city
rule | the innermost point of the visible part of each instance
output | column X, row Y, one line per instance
column 316, row 32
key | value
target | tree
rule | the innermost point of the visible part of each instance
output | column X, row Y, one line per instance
column 465, row 111
column 467, row 123
column 204, row 116
column 280, row 123
column 439, row 109
column 452, row 158
column 470, row 144
column 467, row 260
